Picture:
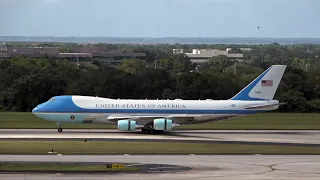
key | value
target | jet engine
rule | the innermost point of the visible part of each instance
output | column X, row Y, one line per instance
column 162, row 124
column 126, row 125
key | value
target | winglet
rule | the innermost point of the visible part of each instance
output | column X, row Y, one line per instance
column 264, row 86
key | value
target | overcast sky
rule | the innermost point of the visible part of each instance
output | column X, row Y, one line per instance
column 160, row 18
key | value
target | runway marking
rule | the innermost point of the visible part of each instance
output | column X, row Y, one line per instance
column 136, row 164
column 205, row 166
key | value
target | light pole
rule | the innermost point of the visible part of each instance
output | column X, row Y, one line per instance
column 282, row 55
column 235, row 67
column 77, row 59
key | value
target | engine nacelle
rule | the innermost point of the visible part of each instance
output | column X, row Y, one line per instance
column 126, row 125
column 162, row 124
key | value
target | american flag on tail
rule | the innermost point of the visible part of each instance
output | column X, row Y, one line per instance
column 266, row 83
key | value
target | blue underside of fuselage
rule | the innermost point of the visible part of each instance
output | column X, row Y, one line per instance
column 63, row 107
column 63, row 118
column 64, row 104
column 152, row 111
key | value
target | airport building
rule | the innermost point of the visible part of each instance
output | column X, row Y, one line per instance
column 75, row 53
column 35, row 52
column 199, row 56
column 177, row 51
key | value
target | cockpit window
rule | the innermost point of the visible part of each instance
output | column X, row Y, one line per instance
column 53, row 99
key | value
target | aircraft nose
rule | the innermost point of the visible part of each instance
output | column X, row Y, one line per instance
column 37, row 108
column 34, row 110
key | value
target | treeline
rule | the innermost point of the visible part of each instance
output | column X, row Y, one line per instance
column 26, row 82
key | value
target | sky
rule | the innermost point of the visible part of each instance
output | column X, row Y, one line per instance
column 161, row 18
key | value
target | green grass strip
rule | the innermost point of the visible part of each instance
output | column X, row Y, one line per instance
column 98, row 147
column 279, row 121
column 59, row 167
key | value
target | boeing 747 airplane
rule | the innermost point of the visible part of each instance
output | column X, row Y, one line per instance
column 161, row 115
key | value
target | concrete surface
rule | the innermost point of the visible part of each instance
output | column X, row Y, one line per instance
column 233, row 167
column 311, row 138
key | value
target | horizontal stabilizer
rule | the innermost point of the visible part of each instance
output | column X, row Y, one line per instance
column 264, row 106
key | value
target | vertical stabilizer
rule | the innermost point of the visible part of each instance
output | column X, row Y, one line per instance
column 264, row 87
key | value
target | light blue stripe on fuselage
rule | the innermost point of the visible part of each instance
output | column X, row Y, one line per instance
column 63, row 117
column 79, row 117
column 65, row 104
column 90, row 117
column 63, row 107
column 152, row 111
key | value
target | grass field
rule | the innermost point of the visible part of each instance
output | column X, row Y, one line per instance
column 310, row 121
column 73, row 147
column 61, row 167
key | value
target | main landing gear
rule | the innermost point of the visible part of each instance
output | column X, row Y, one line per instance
column 148, row 129
column 59, row 128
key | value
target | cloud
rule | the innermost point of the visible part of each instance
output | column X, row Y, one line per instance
column 50, row 1
column 193, row 2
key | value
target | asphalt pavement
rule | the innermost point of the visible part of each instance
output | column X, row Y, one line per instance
column 225, row 167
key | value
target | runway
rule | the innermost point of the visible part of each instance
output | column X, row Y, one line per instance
column 225, row 167
column 272, row 137
column 234, row 167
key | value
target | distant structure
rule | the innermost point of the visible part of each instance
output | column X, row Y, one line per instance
column 101, row 53
column 85, row 53
column 3, row 51
column 177, row 51
column 199, row 56
column 245, row 49
column 34, row 52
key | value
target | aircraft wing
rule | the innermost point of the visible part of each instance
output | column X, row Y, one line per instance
column 259, row 106
column 177, row 118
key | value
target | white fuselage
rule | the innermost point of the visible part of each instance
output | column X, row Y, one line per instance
column 100, row 110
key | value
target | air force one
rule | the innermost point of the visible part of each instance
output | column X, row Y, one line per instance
column 161, row 115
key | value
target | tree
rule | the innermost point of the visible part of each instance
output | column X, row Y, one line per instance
column 132, row 66
column 167, row 64
column 181, row 63
column 26, row 82
column 220, row 63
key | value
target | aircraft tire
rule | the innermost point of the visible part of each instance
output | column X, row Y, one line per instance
column 59, row 129
column 148, row 131
column 151, row 131
column 145, row 131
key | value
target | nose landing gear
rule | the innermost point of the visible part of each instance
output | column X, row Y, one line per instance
column 59, row 128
